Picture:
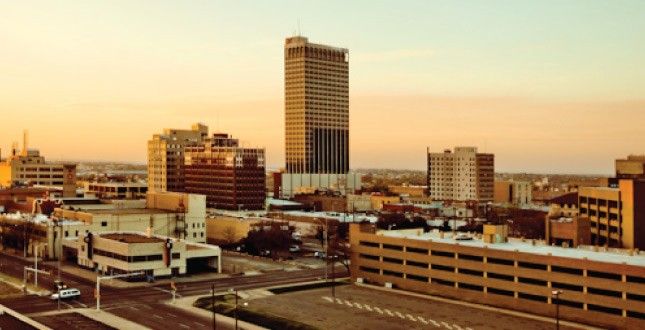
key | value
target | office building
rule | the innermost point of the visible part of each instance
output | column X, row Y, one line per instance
column 316, row 107
column 462, row 175
column 166, row 157
column 231, row 177
column 616, row 214
column 606, row 288
column 29, row 168
column 517, row 193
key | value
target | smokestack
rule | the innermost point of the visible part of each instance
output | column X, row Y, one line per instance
column 25, row 142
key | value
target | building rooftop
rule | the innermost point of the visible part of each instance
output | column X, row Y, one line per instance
column 582, row 253
column 128, row 211
column 131, row 238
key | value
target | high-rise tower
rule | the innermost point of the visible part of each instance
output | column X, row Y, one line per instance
column 316, row 107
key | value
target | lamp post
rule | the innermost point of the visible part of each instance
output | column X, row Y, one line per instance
column 555, row 294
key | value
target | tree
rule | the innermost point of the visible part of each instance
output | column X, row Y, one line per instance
column 269, row 236
column 229, row 235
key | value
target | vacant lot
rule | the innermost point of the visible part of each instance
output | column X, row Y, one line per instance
column 7, row 290
column 364, row 308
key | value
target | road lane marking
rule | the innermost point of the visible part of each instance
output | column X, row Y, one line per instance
column 446, row 325
column 184, row 326
column 199, row 324
column 348, row 303
column 328, row 299
column 456, row 327
column 412, row 318
column 134, row 308
column 389, row 312
column 157, row 316
column 368, row 307
column 171, row 315
column 399, row 315
column 358, row 305
column 422, row 320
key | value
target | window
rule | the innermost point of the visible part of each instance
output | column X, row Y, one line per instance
column 471, row 287
column 370, row 244
column 566, row 270
column 532, row 265
column 471, row 272
column 531, row 281
column 176, row 255
column 392, row 273
column 565, row 286
column 443, row 268
column 603, row 309
column 501, row 292
column 609, row 276
column 501, row 277
column 368, row 269
column 393, row 247
column 471, row 257
column 443, row 282
column 442, row 254
column 103, row 223
column 369, row 256
column 532, row 297
column 605, row 292
column 393, row 260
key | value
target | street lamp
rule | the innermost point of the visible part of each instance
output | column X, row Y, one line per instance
column 234, row 291
column 555, row 294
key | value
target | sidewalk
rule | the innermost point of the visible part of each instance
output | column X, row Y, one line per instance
column 18, row 284
column 480, row 306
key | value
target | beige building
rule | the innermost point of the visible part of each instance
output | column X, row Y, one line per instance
column 316, row 107
column 410, row 191
column 157, row 256
column 166, row 157
column 513, row 192
column 605, row 287
column 616, row 215
column 29, row 168
column 631, row 167
column 224, row 229
column 462, row 175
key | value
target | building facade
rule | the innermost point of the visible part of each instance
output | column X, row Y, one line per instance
column 616, row 214
column 606, row 287
column 231, row 177
column 462, row 175
column 116, row 190
column 166, row 157
column 155, row 256
column 316, row 107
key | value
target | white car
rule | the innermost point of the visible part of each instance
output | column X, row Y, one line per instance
column 66, row 294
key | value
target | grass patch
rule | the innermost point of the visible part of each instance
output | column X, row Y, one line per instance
column 266, row 320
column 304, row 287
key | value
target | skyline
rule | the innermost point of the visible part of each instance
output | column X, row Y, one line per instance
column 539, row 96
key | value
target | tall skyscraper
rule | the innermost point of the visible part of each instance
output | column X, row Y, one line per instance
column 166, row 157
column 462, row 175
column 316, row 107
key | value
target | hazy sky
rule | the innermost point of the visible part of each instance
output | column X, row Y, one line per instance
column 548, row 86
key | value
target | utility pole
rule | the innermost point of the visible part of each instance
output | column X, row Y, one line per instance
column 326, row 248
column 555, row 294
column 213, row 306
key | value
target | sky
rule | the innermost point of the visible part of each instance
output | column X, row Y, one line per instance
column 548, row 86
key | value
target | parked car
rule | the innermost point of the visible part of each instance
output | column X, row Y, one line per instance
column 320, row 254
column 66, row 294
column 294, row 248
column 463, row 237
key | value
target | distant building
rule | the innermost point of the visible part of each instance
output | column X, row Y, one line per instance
column 512, row 192
column 632, row 167
column 166, row 157
column 292, row 184
column 603, row 286
column 616, row 215
column 462, row 175
column 565, row 205
column 29, row 168
column 231, row 177
column 116, row 190
column 409, row 191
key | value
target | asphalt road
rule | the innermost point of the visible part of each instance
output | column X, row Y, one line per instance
column 142, row 305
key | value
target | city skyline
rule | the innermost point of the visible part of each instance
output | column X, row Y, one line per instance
column 549, row 85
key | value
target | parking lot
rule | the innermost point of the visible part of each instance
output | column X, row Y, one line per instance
column 364, row 308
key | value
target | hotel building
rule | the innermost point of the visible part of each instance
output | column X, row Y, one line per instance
column 607, row 287
column 462, row 175
column 231, row 177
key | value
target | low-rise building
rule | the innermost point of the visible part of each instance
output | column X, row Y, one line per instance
column 568, row 232
column 409, row 191
column 632, row 167
column 607, row 287
column 565, row 205
column 116, row 190
column 155, row 256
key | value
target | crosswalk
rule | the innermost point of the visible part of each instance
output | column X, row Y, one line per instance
column 397, row 314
